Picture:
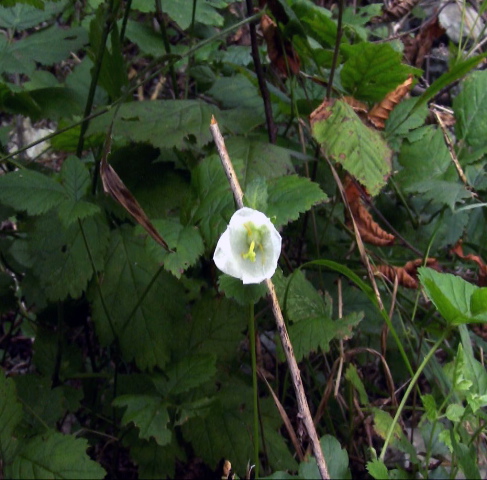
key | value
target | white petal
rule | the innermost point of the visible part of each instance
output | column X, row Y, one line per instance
column 224, row 258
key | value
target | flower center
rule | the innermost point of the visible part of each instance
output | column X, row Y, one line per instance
column 254, row 238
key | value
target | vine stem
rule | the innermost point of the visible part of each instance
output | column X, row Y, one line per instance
column 303, row 406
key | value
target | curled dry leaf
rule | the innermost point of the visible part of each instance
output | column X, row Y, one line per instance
column 458, row 250
column 407, row 276
column 380, row 111
column 281, row 52
column 113, row 185
column 396, row 10
column 369, row 230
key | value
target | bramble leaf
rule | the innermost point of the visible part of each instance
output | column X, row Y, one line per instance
column 10, row 417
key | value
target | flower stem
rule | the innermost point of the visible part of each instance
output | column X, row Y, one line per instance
column 253, row 356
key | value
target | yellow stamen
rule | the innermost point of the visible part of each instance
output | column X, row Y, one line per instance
column 250, row 254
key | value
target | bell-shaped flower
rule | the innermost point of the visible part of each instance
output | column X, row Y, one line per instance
column 249, row 248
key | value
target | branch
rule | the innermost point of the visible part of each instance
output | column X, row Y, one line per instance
column 276, row 309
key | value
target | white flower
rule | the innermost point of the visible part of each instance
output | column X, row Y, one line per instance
column 249, row 248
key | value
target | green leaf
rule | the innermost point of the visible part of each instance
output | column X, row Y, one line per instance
column 190, row 372
column 478, row 303
column 143, row 302
column 256, row 194
column 76, row 181
column 467, row 457
column 30, row 191
column 291, row 195
column 215, row 326
column 359, row 149
column 10, row 417
column 470, row 107
column 53, row 455
column 21, row 16
column 61, row 261
column 377, row 469
column 148, row 413
column 46, row 47
column 454, row 412
column 243, row 294
column 336, row 459
column 317, row 20
column 403, row 119
column 181, row 11
column 146, row 38
column 162, row 123
column 353, row 377
column 430, row 407
column 312, row 333
column 186, row 241
column 372, row 70
column 450, row 294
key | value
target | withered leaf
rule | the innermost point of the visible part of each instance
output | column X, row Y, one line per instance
column 113, row 185
column 380, row 111
column 407, row 276
column 369, row 230
column 281, row 52
column 458, row 250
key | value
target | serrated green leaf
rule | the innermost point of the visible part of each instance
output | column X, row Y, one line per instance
column 10, row 417
column 372, row 70
column 148, row 413
column 185, row 240
column 291, row 195
column 61, row 261
column 403, row 119
column 30, row 191
column 45, row 47
column 162, row 123
column 478, row 303
column 377, row 469
column 316, row 20
column 243, row 294
column 336, row 459
column 22, row 16
column 429, row 405
column 256, row 194
column 312, row 333
column 454, row 412
column 470, row 107
column 450, row 295
column 359, row 149
column 190, row 372
column 53, row 455
column 142, row 300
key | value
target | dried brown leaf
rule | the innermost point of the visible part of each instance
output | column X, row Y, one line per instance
column 281, row 52
column 380, row 111
column 113, row 185
column 458, row 250
column 407, row 276
column 369, row 230
column 395, row 11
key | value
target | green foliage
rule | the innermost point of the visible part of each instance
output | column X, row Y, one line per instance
column 358, row 148
column 140, row 355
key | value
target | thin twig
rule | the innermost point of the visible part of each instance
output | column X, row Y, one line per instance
column 276, row 310
column 271, row 128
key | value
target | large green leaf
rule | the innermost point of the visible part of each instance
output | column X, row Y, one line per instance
column 141, row 300
column 372, row 70
column 470, row 107
column 162, row 123
column 346, row 140
column 21, row 16
column 181, row 11
column 451, row 295
column 30, row 191
column 60, row 257
column 148, row 413
column 313, row 333
column 53, row 455
column 243, row 294
column 291, row 195
column 186, row 241
column 45, row 47
column 10, row 417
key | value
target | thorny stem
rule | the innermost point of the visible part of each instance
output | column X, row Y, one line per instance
column 303, row 407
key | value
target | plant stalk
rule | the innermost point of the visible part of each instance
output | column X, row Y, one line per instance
column 253, row 356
